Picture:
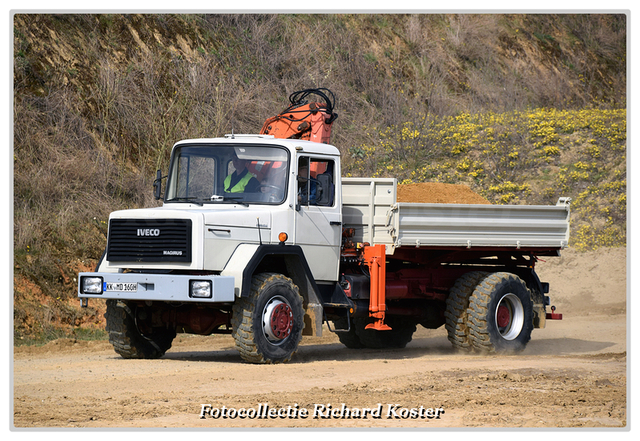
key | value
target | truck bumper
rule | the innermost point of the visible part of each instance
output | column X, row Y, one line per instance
column 160, row 287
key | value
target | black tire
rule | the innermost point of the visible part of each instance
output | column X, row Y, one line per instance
column 348, row 338
column 267, row 325
column 456, row 310
column 401, row 333
column 500, row 314
column 126, row 337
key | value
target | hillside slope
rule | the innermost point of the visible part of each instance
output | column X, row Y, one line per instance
column 521, row 108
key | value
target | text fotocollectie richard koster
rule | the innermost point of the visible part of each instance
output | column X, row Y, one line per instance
column 321, row 411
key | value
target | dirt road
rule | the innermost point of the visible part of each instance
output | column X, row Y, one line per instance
column 572, row 374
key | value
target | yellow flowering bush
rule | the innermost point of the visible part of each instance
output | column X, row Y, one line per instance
column 527, row 157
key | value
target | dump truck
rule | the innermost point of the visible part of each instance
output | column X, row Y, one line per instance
column 261, row 237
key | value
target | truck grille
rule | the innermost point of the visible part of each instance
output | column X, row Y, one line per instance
column 149, row 240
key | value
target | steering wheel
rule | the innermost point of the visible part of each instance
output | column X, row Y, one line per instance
column 275, row 193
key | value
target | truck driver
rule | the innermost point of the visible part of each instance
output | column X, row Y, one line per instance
column 240, row 181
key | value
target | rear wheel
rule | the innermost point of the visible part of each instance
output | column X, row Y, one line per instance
column 130, row 335
column 399, row 336
column 500, row 314
column 456, row 310
column 267, row 325
column 348, row 338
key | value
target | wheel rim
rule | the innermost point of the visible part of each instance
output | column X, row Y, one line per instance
column 509, row 316
column 277, row 320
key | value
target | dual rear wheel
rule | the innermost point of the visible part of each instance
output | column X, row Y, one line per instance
column 489, row 312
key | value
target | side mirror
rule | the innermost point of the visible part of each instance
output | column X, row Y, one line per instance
column 157, row 185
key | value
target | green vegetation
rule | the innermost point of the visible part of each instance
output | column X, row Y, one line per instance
column 517, row 157
column 522, row 108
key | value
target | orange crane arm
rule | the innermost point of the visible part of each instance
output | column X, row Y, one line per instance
column 302, row 120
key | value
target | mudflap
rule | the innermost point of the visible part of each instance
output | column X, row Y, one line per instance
column 313, row 316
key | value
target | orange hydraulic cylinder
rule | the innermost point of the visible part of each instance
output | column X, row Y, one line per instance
column 375, row 259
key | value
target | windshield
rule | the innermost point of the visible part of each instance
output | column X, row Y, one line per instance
column 218, row 173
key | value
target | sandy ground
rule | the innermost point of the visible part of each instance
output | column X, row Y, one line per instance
column 573, row 373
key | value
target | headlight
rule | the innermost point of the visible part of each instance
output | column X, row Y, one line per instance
column 200, row 288
column 91, row 285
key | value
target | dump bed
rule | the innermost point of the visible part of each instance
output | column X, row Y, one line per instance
column 371, row 209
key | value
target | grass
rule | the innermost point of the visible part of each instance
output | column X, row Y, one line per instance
column 44, row 337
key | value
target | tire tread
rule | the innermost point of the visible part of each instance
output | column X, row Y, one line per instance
column 242, row 321
column 478, row 311
column 457, row 303
column 125, row 337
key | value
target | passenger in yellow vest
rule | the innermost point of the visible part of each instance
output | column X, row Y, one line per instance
column 240, row 181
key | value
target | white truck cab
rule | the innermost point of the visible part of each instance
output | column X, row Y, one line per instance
column 197, row 247
column 224, row 224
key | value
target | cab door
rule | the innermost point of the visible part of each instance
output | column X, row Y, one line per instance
column 318, row 218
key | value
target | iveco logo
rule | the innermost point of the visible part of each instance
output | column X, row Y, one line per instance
column 148, row 232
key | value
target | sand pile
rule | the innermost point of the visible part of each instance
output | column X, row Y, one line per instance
column 439, row 193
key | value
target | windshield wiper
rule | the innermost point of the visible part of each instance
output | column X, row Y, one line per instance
column 218, row 198
column 191, row 199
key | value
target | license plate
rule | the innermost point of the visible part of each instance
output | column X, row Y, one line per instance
column 121, row 287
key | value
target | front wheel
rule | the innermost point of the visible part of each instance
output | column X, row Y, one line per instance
column 500, row 314
column 267, row 325
column 131, row 335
